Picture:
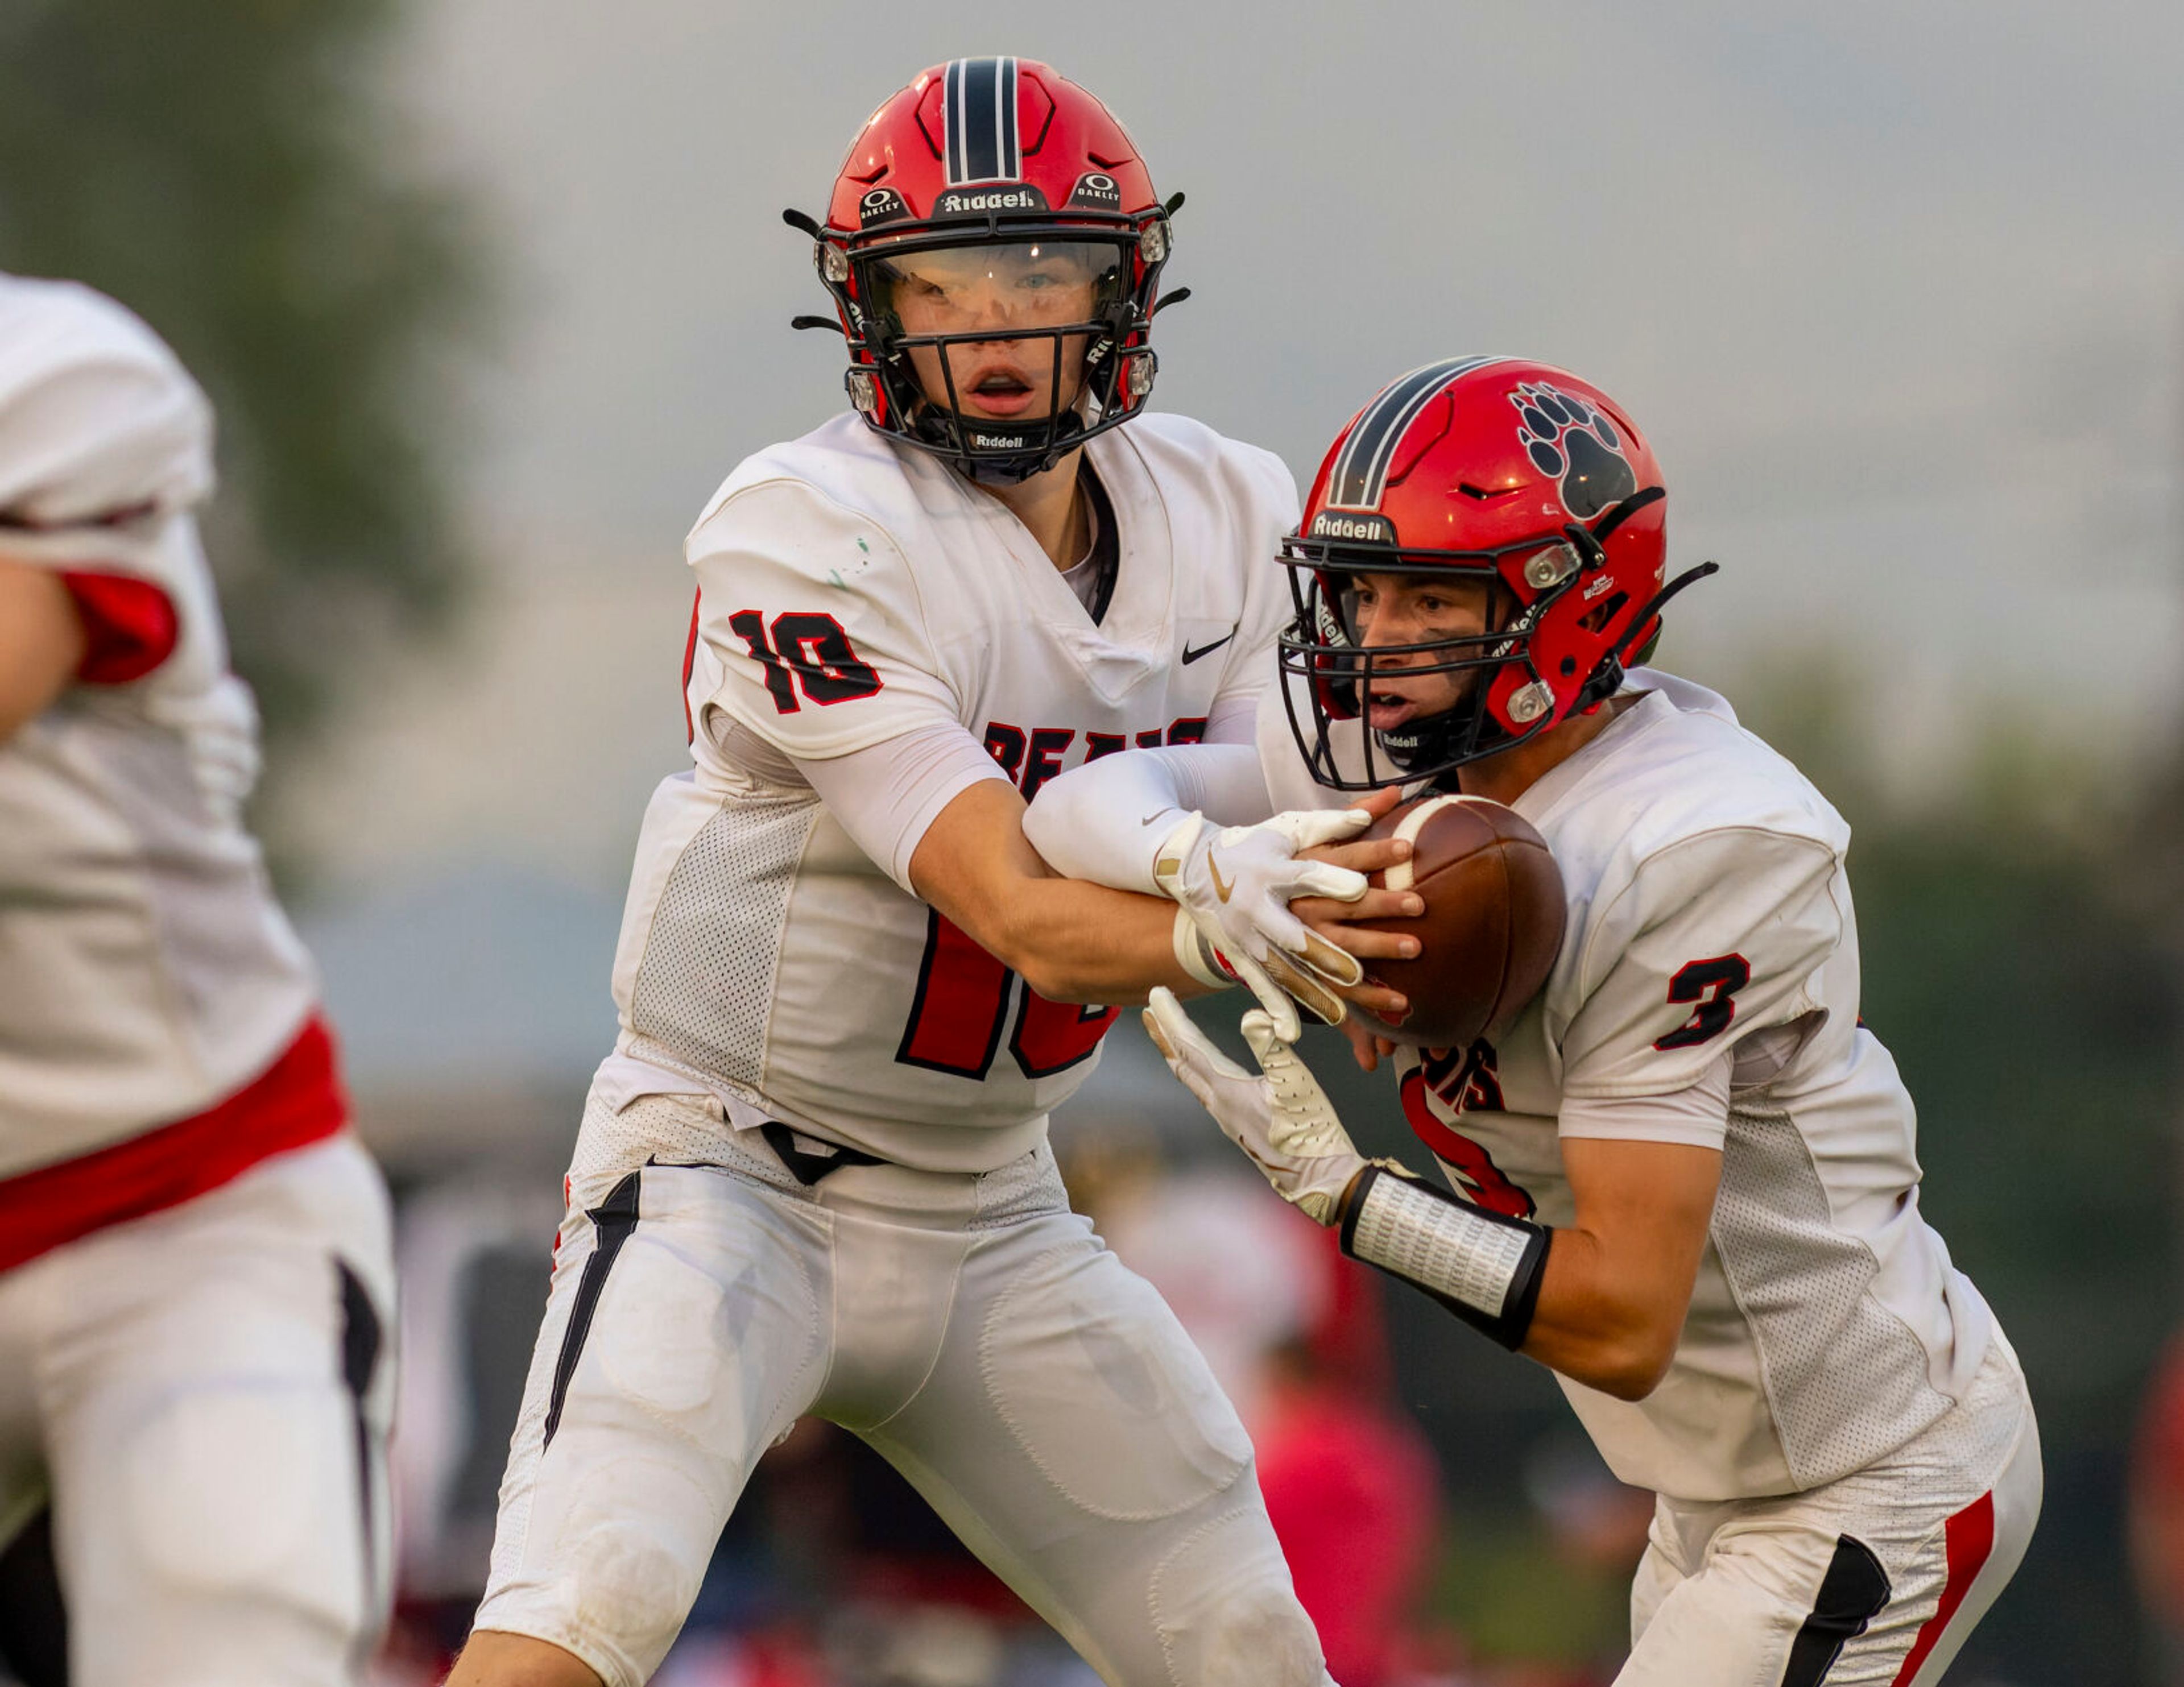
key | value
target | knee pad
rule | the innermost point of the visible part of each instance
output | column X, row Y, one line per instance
column 1227, row 1614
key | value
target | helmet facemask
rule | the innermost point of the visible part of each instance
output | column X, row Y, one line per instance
column 1510, row 697
column 1342, row 674
column 958, row 326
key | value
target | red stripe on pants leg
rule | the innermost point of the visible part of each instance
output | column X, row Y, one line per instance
column 1968, row 1537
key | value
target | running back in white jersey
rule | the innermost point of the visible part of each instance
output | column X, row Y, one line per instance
column 145, row 970
column 1709, row 911
column 852, row 592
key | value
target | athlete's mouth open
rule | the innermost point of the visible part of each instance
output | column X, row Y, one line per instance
column 1384, row 710
column 1001, row 392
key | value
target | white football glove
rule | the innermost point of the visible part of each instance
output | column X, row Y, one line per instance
column 1281, row 1118
column 1234, row 886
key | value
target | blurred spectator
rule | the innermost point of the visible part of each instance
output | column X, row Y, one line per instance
column 2156, row 1504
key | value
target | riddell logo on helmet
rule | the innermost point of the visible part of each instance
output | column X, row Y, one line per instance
column 1371, row 530
column 997, row 442
column 959, row 202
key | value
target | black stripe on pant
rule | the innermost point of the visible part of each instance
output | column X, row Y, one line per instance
column 33, row 1618
column 1852, row 1595
column 362, row 1339
column 613, row 1220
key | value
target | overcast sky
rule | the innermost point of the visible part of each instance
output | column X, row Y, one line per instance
column 1897, row 291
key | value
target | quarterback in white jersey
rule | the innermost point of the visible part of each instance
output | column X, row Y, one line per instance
column 1686, row 1175
column 196, row 1274
column 813, row 1175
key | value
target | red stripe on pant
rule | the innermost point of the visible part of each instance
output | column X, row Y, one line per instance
column 1968, row 1537
column 296, row 1101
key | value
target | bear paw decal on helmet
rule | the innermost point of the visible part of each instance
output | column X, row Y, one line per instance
column 1575, row 444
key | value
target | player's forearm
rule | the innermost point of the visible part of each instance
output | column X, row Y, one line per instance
column 40, row 642
column 1075, row 942
column 1608, row 1318
column 1601, row 1323
column 1071, row 941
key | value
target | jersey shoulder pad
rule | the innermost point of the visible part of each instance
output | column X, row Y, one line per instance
column 841, row 458
column 811, row 630
column 99, row 422
column 1680, row 774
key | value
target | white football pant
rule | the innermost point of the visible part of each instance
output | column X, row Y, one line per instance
column 1874, row 1580
column 972, row 1329
column 203, row 1395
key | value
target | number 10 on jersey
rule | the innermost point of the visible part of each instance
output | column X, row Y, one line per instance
column 963, row 1006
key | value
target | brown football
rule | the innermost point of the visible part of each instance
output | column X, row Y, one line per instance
column 1493, row 922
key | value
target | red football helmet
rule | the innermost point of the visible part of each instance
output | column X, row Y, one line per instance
column 1501, row 471
column 992, row 203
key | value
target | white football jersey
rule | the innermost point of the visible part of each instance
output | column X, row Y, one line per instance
column 850, row 593
column 145, row 971
column 1709, row 910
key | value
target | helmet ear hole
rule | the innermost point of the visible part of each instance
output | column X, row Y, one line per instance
column 1598, row 618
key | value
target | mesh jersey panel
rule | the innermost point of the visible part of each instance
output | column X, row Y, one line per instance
column 1847, row 1380
column 703, row 990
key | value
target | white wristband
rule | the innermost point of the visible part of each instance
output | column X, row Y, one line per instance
column 1483, row 1266
column 1197, row 956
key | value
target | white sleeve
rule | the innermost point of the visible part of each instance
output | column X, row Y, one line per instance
column 97, row 417
column 886, row 795
column 103, row 436
column 811, row 634
column 1233, row 718
column 1713, row 938
column 1698, row 1115
column 1105, row 821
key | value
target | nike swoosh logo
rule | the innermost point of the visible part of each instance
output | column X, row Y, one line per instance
column 1190, row 655
column 1221, row 890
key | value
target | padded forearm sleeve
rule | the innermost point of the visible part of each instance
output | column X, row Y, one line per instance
column 1483, row 1266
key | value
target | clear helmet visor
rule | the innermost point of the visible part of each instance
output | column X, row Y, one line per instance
column 997, row 333
column 994, row 287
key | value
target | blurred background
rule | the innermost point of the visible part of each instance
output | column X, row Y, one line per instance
column 492, row 294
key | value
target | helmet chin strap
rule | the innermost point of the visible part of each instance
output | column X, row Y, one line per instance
column 1434, row 739
column 949, row 431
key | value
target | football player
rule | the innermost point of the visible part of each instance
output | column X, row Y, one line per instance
column 196, row 1276
column 813, row 1176
column 1684, row 1179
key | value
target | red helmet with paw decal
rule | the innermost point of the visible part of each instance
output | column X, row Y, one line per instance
column 992, row 246
column 1512, row 474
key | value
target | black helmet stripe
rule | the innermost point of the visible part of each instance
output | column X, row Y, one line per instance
column 1360, row 479
column 979, row 115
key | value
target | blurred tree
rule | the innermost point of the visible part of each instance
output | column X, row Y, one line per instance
column 230, row 170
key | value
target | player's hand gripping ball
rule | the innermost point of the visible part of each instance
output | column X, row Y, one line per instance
column 1493, row 922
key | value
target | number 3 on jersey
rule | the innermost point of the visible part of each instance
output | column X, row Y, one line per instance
column 962, row 1004
column 1713, row 986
